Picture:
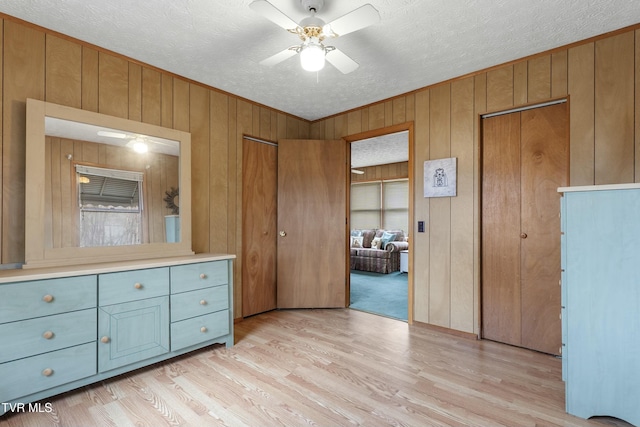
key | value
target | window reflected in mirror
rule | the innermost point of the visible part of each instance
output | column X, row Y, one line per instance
column 110, row 205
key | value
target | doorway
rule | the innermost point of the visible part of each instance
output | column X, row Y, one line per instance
column 379, row 225
column 525, row 158
column 312, row 188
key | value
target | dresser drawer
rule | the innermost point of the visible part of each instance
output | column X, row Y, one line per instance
column 199, row 302
column 115, row 288
column 189, row 277
column 25, row 300
column 43, row 334
column 199, row 329
column 37, row 373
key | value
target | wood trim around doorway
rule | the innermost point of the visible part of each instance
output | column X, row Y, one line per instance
column 401, row 127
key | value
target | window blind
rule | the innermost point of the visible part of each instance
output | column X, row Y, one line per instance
column 110, row 173
column 365, row 205
column 109, row 187
column 395, row 207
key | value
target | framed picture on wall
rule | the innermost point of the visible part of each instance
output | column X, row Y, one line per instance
column 440, row 177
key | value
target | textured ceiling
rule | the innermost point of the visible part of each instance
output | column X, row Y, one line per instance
column 390, row 148
column 416, row 43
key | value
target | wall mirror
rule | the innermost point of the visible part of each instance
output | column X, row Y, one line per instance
column 96, row 188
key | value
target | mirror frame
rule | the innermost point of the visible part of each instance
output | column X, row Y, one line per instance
column 36, row 253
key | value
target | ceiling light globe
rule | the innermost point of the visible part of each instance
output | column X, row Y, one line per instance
column 312, row 57
column 139, row 146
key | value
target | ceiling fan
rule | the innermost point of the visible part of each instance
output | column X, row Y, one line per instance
column 139, row 143
column 313, row 31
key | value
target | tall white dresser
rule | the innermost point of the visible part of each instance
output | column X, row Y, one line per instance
column 601, row 300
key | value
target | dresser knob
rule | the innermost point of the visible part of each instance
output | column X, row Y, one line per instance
column 203, row 302
column 203, row 276
column 47, row 335
column 138, row 286
column 203, row 329
column 105, row 339
column 47, row 372
column 47, row 298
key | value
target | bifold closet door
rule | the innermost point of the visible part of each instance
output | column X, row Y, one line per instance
column 259, row 217
column 501, row 299
column 524, row 161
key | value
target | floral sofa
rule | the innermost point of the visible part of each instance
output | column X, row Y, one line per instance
column 377, row 250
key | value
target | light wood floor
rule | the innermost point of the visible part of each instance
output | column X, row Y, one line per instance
column 328, row 368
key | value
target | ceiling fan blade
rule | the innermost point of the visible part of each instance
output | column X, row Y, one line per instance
column 355, row 20
column 278, row 57
column 342, row 62
column 273, row 14
column 110, row 134
column 173, row 144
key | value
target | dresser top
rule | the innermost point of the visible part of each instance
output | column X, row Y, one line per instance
column 599, row 187
column 19, row 275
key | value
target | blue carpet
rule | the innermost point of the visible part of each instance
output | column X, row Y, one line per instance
column 384, row 294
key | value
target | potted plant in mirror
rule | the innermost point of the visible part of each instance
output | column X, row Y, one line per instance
column 172, row 222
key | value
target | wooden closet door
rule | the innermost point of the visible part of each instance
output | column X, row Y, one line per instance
column 525, row 160
column 259, row 219
column 544, row 163
column 312, row 223
column 501, row 229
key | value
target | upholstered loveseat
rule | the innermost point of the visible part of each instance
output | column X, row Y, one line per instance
column 369, row 255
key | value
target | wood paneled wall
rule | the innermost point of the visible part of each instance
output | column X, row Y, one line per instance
column 601, row 78
column 378, row 172
column 37, row 63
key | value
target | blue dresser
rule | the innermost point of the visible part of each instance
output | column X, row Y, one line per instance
column 64, row 328
column 601, row 300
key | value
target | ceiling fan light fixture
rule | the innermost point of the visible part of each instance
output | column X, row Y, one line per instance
column 313, row 31
column 312, row 57
column 139, row 146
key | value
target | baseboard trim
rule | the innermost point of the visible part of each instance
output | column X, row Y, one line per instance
column 449, row 331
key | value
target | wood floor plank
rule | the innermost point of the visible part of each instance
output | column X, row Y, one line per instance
column 328, row 368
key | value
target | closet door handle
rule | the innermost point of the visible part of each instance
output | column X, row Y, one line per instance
column 523, row 235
